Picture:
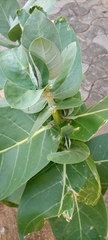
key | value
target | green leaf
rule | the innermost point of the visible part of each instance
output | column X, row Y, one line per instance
column 3, row 103
column 49, row 54
column 83, row 180
column 89, row 122
column 99, row 150
column 20, row 97
column 45, row 194
column 88, row 223
column 50, row 193
column 22, row 162
column 68, row 56
column 46, row 4
column 15, row 31
column 69, row 103
column 15, row 197
column 16, row 126
column 15, row 67
column 66, row 130
column 2, row 76
column 73, row 81
column 38, row 26
column 7, row 10
column 9, row 204
column 17, row 25
column 43, row 70
column 28, row 5
column 42, row 117
column 37, row 107
column 22, row 16
column 76, row 154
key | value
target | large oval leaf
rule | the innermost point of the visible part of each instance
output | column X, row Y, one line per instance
column 76, row 154
column 38, row 26
column 49, row 53
column 19, row 97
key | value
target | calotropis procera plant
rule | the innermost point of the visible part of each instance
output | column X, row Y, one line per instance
column 50, row 166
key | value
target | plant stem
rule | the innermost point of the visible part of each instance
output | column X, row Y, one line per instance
column 56, row 117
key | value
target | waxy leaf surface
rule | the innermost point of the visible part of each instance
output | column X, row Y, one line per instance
column 22, row 162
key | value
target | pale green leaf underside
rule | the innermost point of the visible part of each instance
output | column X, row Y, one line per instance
column 48, row 53
column 38, row 26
